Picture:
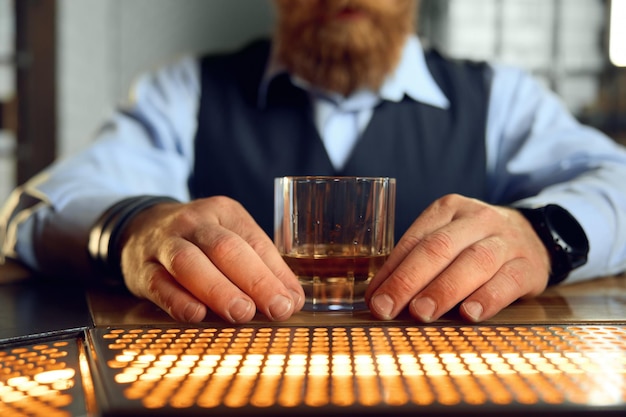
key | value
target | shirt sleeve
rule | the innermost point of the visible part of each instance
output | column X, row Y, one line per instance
column 145, row 148
column 538, row 154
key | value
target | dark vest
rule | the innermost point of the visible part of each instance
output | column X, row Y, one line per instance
column 240, row 147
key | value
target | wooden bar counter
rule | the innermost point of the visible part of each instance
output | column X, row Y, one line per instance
column 600, row 300
column 98, row 351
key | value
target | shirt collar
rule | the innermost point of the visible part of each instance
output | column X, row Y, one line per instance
column 411, row 77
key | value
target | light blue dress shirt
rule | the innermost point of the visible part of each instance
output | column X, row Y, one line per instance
column 531, row 137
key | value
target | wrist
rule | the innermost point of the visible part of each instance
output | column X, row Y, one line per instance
column 106, row 234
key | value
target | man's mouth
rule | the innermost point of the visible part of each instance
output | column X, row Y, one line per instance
column 348, row 14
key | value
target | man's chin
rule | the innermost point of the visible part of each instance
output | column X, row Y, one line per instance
column 343, row 55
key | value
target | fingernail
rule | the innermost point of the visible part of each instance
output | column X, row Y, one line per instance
column 383, row 306
column 239, row 309
column 297, row 298
column 280, row 306
column 424, row 308
column 473, row 309
column 191, row 312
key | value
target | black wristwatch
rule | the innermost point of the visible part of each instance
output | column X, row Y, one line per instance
column 562, row 235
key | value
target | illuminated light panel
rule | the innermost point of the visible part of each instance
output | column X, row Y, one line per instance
column 41, row 380
column 617, row 33
column 372, row 367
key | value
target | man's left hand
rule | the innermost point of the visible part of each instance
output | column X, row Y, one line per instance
column 461, row 250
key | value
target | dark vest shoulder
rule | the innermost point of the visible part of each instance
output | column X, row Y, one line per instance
column 240, row 146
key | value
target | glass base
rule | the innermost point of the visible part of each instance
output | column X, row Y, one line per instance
column 316, row 307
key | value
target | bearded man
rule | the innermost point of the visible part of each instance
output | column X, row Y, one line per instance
column 176, row 197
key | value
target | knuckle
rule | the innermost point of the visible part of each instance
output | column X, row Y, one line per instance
column 213, row 293
column 225, row 247
column 181, row 260
column 153, row 292
column 185, row 220
column 221, row 202
column 483, row 257
column 404, row 281
column 447, row 289
column 255, row 284
column 484, row 214
column 260, row 245
column 201, row 210
column 449, row 201
column 438, row 246
column 152, row 287
column 408, row 242
column 516, row 278
column 490, row 299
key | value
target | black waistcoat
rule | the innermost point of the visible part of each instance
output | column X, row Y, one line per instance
column 240, row 147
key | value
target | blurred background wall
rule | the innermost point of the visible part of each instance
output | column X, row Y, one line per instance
column 104, row 44
column 66, row 64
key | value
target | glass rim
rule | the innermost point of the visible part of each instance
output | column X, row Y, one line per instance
column 333, row 178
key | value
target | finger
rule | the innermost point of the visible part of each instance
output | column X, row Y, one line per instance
column 166, row 293
column 427, row 260
column 225, row 271
column 245, row 226
column 263, row 246
column 237, row 260
column 476, row 265
column 194, row 271
column 436, row 216
column 514, row 279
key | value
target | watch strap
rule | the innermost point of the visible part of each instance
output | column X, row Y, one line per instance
column 562, row 236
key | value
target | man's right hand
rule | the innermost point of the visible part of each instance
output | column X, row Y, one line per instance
column 209, row 253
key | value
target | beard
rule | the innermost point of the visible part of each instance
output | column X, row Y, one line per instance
column 343, row 45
